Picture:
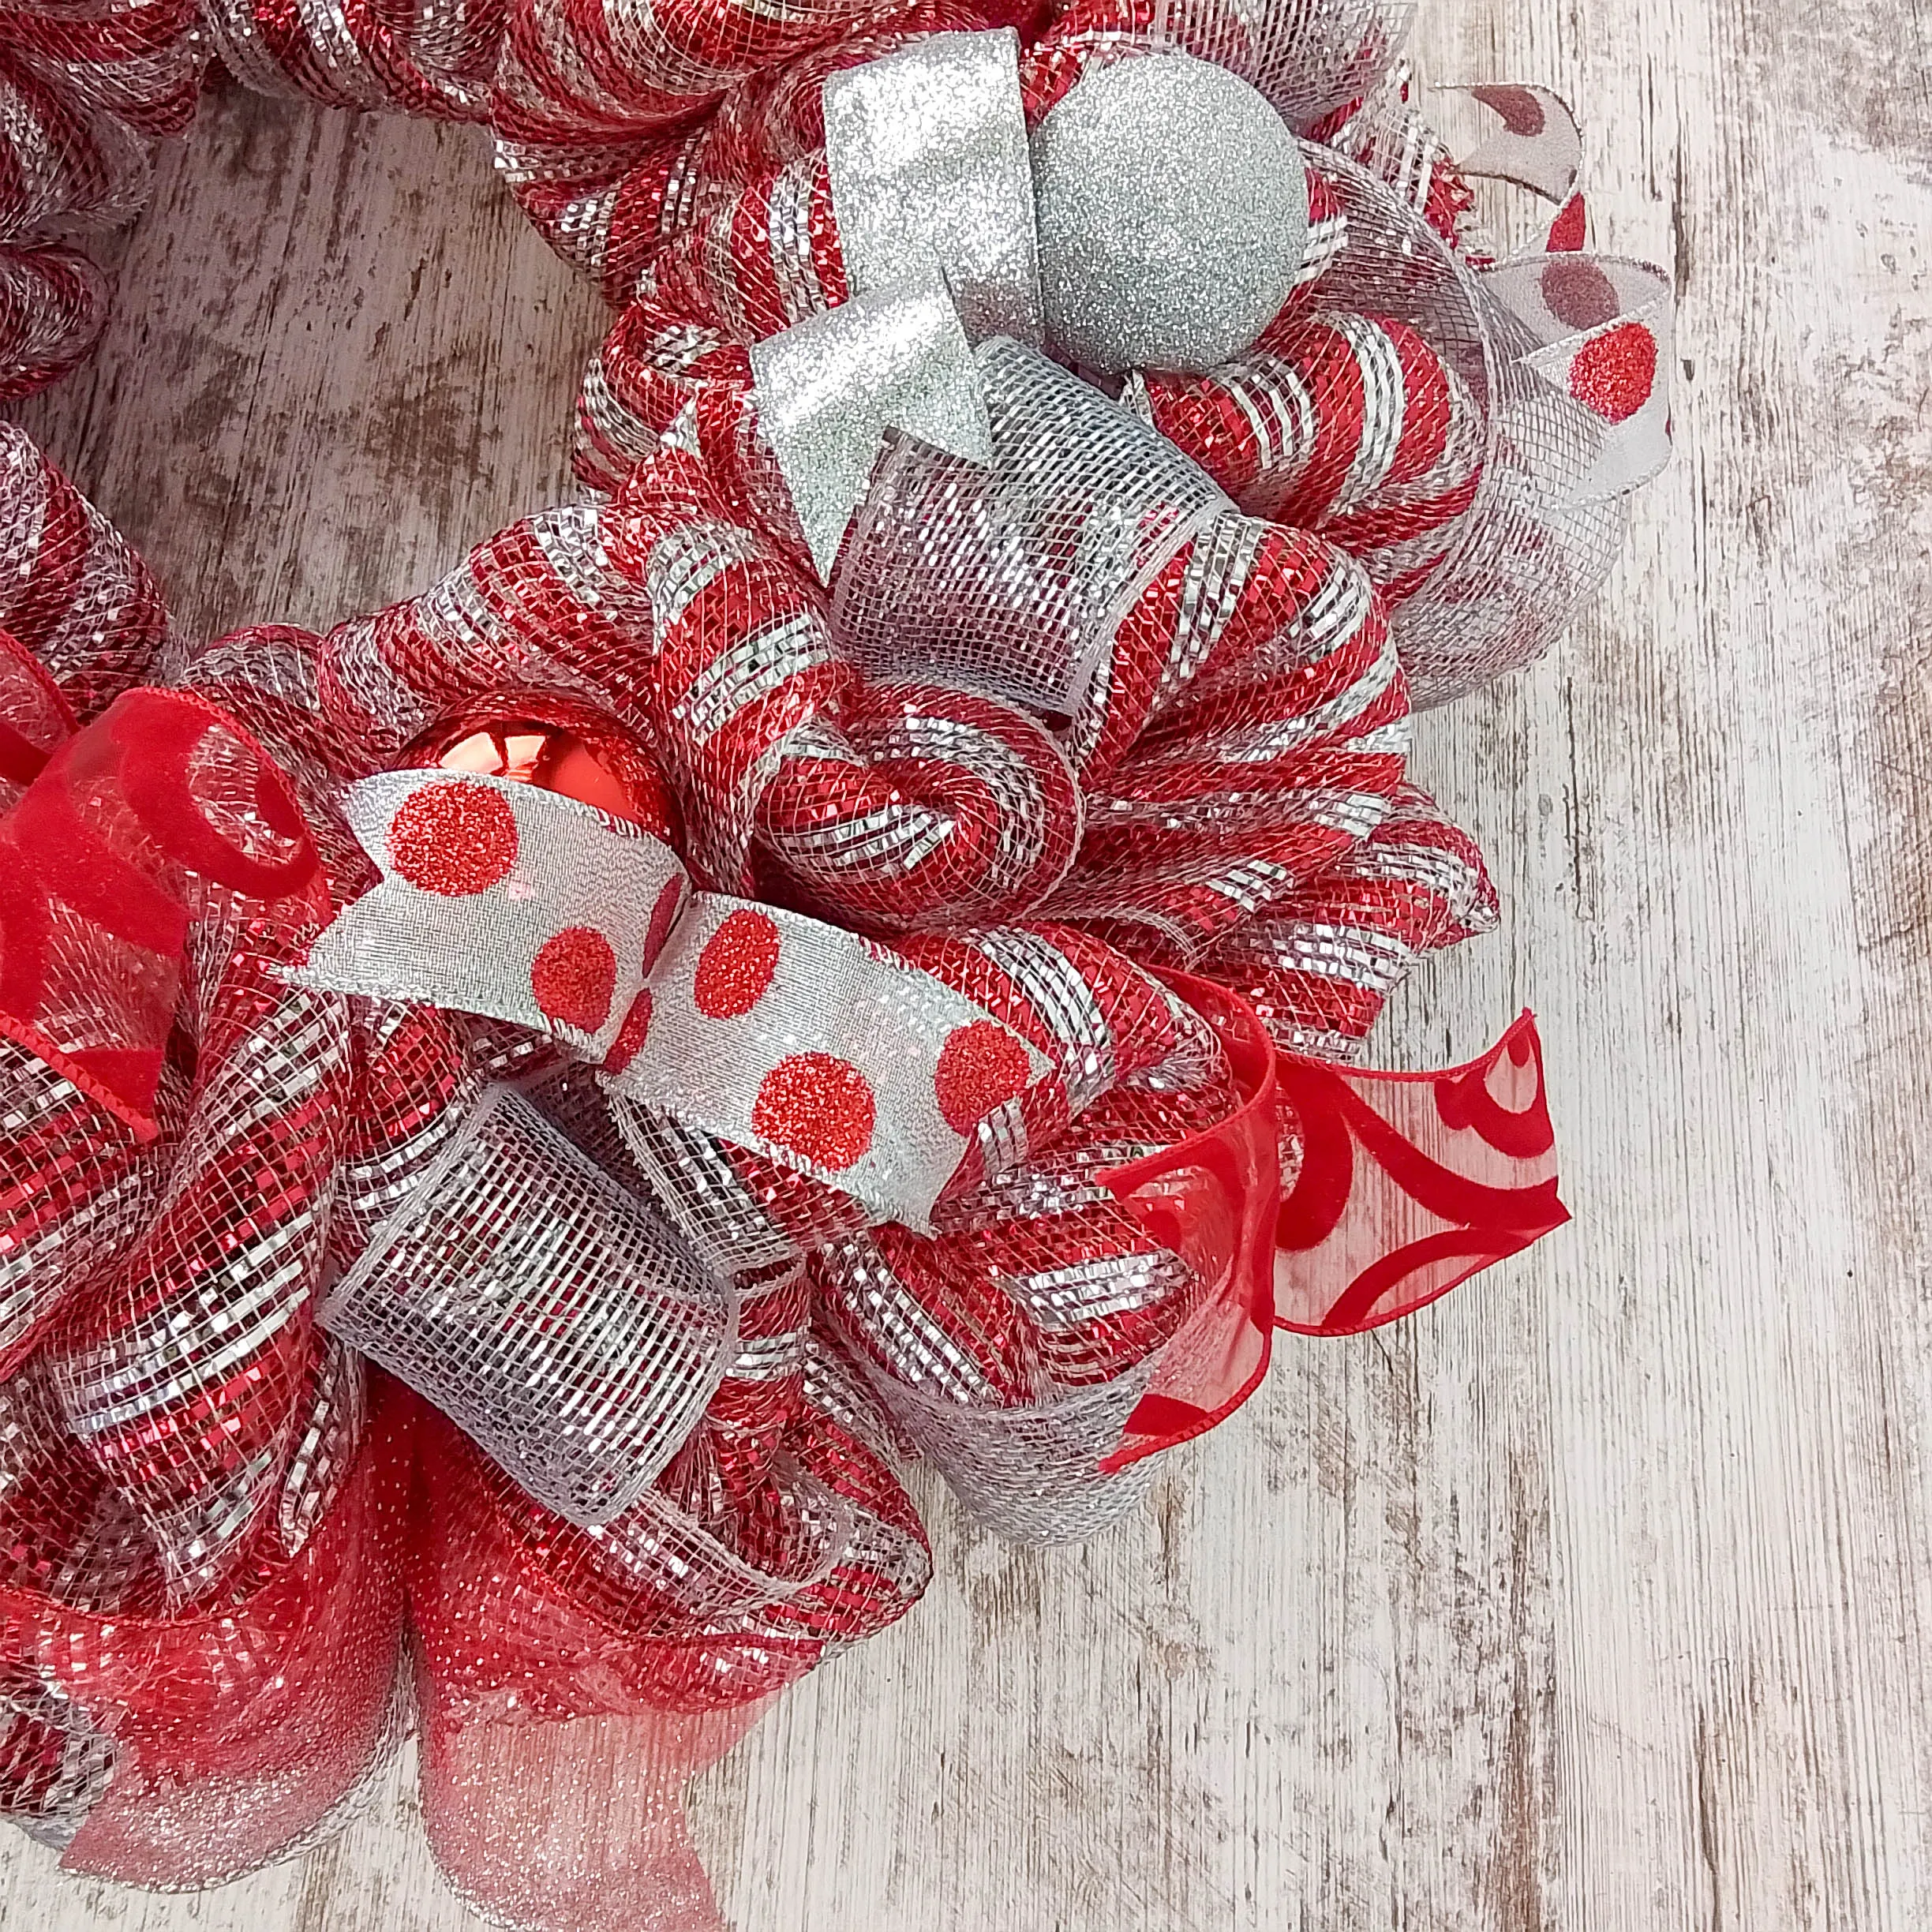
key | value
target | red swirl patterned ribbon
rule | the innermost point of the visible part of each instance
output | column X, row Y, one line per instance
column 1408, row 1184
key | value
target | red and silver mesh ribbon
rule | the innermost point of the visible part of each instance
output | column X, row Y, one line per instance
column 84, row 93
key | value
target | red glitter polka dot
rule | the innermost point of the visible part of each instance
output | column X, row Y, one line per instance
column 981, row 1066
column 454, row 839
column 664, row 916
column 1614, row 373
column 1577, row 293
column 737, row 966
column 631, row 1034
column 1521, row 112
column 575, row 976
column 816, row 1107
column 1567, row 230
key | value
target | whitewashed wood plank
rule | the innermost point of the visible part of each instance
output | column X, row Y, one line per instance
column 339, row 357
column 1591, row 1598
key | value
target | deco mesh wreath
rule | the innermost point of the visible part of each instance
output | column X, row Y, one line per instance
column 849, row 940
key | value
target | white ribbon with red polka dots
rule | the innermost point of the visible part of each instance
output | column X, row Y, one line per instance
column 778, row 1032
column 1538, row 146
column 1602, row 324
column 1614, row 367
column 826, row 1052
column 501, row 899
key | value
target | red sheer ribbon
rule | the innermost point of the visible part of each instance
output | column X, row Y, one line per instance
column 35, row 718
column 1212, row 1198
column 100, row 862
column 1409, row 1183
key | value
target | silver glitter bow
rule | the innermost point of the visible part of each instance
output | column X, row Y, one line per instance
column 927, row 149
column 828, row 389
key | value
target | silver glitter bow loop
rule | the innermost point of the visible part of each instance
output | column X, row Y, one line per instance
column 926, row 152
column 501, row 899
column 830, row 388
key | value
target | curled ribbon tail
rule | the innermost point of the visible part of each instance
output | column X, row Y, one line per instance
column 107, row 858
column 1407, row 1184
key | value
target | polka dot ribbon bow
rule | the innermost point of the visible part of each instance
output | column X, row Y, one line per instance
column 775, row 1032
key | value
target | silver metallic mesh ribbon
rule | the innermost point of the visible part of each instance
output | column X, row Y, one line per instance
column 547, row 1313
column 1011, row 580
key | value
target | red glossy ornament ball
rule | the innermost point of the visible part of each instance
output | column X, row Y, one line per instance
column 558, row 745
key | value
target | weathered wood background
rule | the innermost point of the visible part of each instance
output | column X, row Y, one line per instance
column 1595, row 1598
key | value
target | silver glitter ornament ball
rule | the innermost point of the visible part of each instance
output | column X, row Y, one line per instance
column 1172, row 210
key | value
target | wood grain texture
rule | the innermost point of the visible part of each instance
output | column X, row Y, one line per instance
column 1592, row 1600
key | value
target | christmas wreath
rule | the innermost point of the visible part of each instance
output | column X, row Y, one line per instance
column 851, row 940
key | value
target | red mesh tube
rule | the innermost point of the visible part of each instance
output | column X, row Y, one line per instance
column 1045, row 1283
column 650, row 367
column 759, row 261
column 221, row 1739
column 52, row 308
column 77, row 598
column 1257, row 829
column 538, row 606
column 611, row 218
column 1249, row 636
column 1280, row 752
column 65, row 165
column 1014, row 1346
column 1351, row 425
column 1307, row 61
column 571, row 76
column 716, row 588
column 1318, row 965
column 77, row 1183
column 598, row 1676
column 84, row 94
column 181, row 1373
column 437, row 60
column 133, row 59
